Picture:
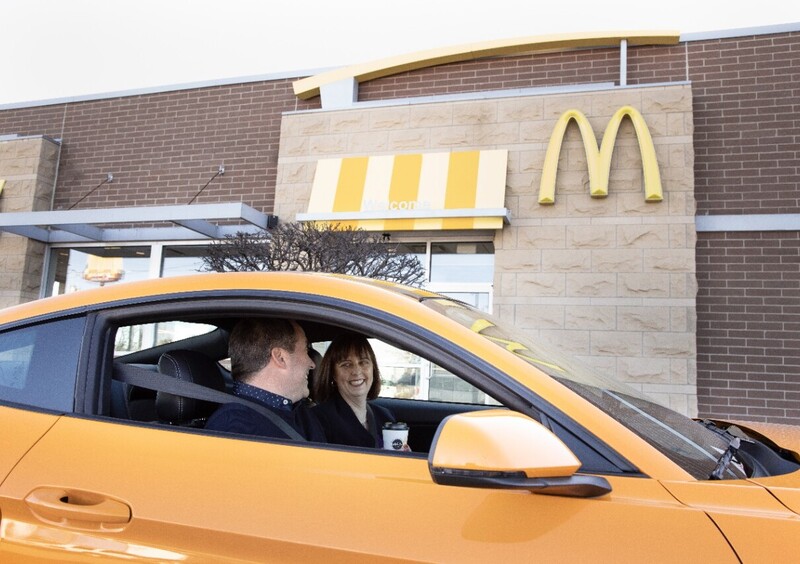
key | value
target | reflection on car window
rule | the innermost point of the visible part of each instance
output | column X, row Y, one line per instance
column 405, row 375
column 133, row 338
column 38, row 364
column 16, row 358
column 693, row 446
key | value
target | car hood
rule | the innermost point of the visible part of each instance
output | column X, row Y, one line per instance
column 786, row 487
column 786, row 437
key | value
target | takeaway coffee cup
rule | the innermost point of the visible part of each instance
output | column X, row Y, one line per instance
column 395, row 436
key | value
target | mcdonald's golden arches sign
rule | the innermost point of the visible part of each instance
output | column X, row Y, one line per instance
column 599, row 160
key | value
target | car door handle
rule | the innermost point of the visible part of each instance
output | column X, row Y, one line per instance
column 75, row 508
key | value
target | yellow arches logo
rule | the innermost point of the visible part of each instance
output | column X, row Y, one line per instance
column 599, row 161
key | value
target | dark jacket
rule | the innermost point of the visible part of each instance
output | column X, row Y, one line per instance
column 238, row 418
column 342, row 427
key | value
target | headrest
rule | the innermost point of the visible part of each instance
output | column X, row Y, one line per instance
column 313, row 374
column 189, row 366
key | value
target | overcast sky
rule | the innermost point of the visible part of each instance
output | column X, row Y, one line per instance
column 64, row 48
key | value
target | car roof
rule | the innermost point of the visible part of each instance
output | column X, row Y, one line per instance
column 323, row 284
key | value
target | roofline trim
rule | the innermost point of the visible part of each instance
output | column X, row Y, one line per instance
column 688, row 37
column 309, row 87
column 747, row 222
column 161, row 89
column 740, row 32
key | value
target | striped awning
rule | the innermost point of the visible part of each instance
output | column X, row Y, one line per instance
column 411, row 192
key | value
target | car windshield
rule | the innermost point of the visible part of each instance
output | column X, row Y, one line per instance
column 686, row 442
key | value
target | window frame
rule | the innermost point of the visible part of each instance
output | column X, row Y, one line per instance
column 312, row 308
column 78, row 334
column 157, row 251
column 155, row 265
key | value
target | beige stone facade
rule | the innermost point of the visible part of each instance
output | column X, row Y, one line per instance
column 610, row 280
column 29, row 166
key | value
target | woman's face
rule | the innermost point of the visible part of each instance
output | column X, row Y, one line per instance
column 353, row 376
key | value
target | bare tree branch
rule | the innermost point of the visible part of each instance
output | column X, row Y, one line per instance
column 317, row 248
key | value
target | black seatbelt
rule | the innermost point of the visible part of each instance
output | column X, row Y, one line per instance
column 143, row 378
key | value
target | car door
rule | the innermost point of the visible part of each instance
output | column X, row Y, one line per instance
column 21, row 428
column 94, row 487
column 21, row 425
column 38, row 367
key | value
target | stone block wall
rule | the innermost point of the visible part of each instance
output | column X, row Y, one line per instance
column 28, row 165
column 610, row 280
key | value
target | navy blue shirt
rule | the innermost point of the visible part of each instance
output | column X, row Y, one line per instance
column 238, row 418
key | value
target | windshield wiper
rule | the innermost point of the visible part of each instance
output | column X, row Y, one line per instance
column 725, row 460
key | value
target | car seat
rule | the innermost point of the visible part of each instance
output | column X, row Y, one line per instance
column 189, row 366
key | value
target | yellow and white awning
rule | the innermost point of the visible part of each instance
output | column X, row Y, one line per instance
column 411, row 192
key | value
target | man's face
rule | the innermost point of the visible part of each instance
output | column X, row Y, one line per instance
column 298, row 364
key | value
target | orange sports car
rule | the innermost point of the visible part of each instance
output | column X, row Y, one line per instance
column 518, row 453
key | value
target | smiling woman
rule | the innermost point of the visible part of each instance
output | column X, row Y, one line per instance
column 347, row 379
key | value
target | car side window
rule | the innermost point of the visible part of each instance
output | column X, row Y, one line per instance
column 38, row 364
column 406, row 375
column 134, row 338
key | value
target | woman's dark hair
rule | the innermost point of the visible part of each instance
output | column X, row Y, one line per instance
column 340, row 348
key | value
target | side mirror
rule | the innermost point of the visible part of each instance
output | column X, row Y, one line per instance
column 498, row 448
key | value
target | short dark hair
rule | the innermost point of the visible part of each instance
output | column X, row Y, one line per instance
column 339, row 349
column 252, row 341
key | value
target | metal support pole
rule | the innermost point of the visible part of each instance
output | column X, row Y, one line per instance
column 623, row 62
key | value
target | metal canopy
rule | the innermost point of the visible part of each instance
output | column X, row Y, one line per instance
column 96, row 225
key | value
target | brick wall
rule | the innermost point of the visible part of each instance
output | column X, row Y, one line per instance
column 748, row 329
column 747, row 124
column 163, row 148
